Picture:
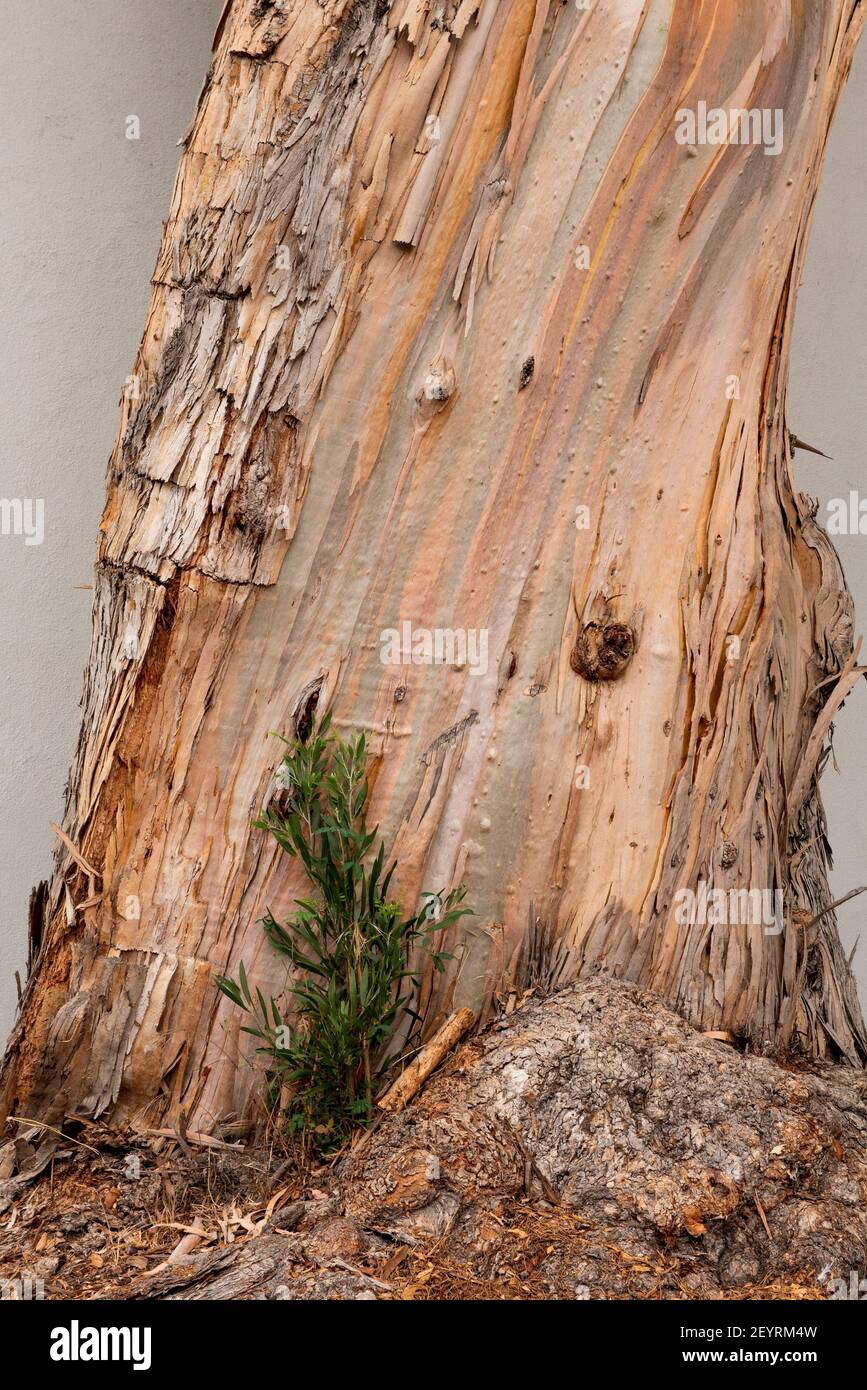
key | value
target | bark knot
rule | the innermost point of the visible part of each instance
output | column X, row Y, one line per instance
column 603, row 651
column 439, row 384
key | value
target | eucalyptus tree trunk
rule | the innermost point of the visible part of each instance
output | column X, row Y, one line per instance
column 460, row 412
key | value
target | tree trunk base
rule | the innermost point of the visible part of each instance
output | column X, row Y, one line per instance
column 590, row 1145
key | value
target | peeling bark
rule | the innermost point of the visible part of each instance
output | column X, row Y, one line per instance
column 436, row 277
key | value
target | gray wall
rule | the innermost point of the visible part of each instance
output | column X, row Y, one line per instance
column 80, row 225
column 82, row 211
column 827, row 407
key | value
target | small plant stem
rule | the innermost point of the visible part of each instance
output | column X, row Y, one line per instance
column 368, row 1078
column 350, row 953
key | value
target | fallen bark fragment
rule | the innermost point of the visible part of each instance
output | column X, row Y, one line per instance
column 411, row 1080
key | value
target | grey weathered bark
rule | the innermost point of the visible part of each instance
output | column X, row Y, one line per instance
column 438, row 283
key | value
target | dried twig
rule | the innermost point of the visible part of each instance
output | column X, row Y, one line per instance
column 76, row 853
column 40, row 1124
column 420, row 1068
column 831, row 906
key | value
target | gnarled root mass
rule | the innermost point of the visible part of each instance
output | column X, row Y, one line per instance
column 590, row 1145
